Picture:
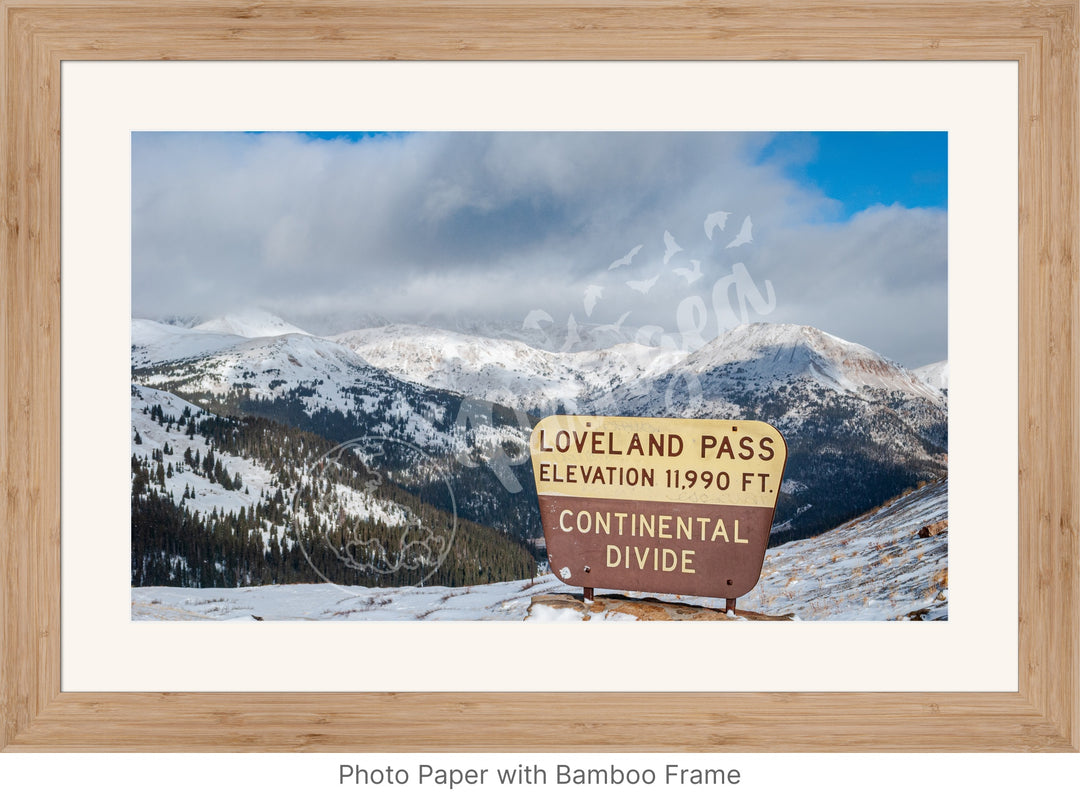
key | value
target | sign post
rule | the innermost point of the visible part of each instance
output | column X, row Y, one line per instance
column 665, row 505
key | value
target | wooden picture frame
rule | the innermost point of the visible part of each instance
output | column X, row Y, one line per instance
column 1041, row 37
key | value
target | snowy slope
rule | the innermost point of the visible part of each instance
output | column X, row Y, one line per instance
column 254, row 363
column 495, row 601
column 323, row 387
column 325, row 375
column 768, row 353
column 854, row 420
column 153, row 436
column 250, row 324
column 157, row 343
column 322, row 376
column 859, row 428
column 208, row 495
column 509, row 372
column 506, row 371
column 934, row 375
column 875, row 567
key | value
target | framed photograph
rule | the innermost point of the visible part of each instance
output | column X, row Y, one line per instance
column 334, row 308
column 418, row 302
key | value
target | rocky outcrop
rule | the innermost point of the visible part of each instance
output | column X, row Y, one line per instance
column 930, row 530
column 616, row 606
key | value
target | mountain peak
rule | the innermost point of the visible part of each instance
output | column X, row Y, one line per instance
column 251, row 324
column 935, row 375
column 781, row 350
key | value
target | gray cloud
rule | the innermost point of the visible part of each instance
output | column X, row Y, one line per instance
column 493, row 225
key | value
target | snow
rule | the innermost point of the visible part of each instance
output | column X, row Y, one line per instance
column 401, row 366
column 935, row 375
column 157, row 343
column 546, row 614
column 257, row 480
column 791, row 486
column 505, row 371
column 250, row 324
column 270, row 366
column 783, row 351
column 323, row 601
column 872, row 568
column 337, row 378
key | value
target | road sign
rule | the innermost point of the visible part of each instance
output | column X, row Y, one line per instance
column 666, row 505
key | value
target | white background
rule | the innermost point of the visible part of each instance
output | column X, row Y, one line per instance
column 103, row 102
column 836, row 780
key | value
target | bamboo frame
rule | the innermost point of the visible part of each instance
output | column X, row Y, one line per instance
column 36, row 35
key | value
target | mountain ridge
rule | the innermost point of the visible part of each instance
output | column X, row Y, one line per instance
column 860, row 427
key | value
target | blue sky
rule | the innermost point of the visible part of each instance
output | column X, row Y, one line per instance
column 860, row 169
column 352, row 137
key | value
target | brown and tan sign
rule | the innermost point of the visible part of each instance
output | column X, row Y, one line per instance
column 665, row 505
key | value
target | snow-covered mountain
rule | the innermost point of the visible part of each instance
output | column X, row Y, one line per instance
column 307, row 372
column 323, row 387
column 539, row 331
column 159, row 421
column 250, row 324
column 510, row 372
column 762, row 354
column 513, row 373
column 151, row 438
column 222, row 501
column 154, row 343
column 859, row 427
column 934, row 375
column 506, row 371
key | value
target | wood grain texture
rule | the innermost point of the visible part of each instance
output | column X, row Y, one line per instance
column 37, row 34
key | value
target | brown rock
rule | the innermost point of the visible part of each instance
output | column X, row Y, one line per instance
column 930, row 530
column 648, row 609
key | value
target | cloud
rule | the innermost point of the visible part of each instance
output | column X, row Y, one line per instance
column 878, row 279
column 494, row 225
